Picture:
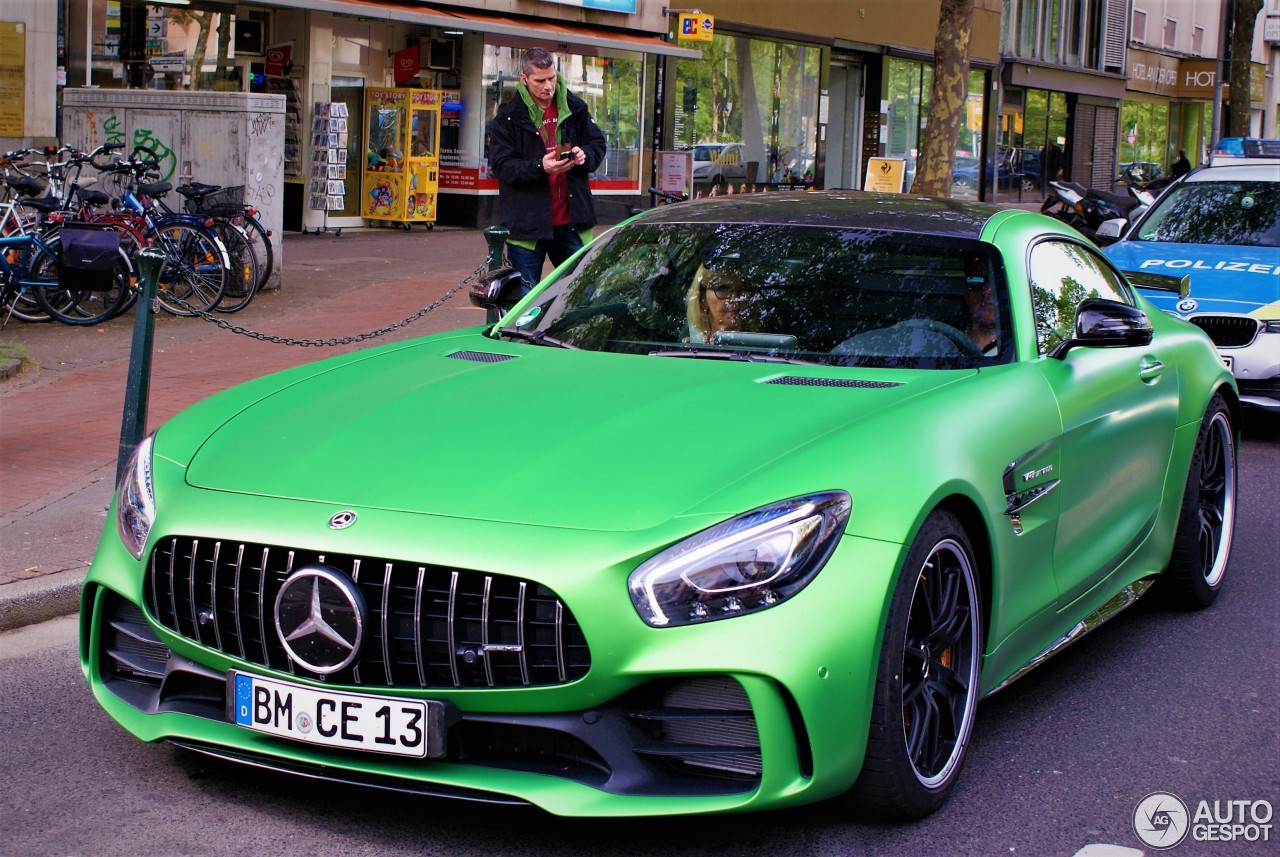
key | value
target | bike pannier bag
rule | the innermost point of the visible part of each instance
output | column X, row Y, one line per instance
column 90, row 253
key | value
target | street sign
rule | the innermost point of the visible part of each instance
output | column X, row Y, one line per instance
column 697, row 27
column 173, row 61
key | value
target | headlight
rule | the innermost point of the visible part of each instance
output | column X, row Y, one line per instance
column 136, row 499
column 745, row 564
column 1271, row 325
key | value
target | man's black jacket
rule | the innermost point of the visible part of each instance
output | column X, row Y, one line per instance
column 515, row 157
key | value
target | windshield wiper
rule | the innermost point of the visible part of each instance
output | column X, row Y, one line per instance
column 537, row 337
column 744, row 356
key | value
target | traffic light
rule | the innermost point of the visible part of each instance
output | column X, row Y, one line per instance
column 690, row 98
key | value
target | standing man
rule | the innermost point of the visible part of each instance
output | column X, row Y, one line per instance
column 1182, row 166
column 542, row 147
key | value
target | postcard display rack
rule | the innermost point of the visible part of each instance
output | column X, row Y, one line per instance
column 328, row 186
column 402, row 155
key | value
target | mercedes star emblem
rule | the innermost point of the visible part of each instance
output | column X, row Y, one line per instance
column 342, row 520
column 320, row 616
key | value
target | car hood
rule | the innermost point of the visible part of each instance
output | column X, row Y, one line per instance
column 469, row 427
column 1224, row 278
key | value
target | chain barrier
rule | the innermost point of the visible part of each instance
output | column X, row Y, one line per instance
column 328, row 343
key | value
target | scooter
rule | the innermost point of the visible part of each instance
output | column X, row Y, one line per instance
column 1065, row 202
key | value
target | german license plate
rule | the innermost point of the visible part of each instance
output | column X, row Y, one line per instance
column 379, row 724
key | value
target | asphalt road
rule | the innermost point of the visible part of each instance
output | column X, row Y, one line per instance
column 1183, row 703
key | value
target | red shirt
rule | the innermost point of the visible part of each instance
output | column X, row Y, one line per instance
column 559, row 181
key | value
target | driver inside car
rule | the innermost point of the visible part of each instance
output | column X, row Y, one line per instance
column 715, row 302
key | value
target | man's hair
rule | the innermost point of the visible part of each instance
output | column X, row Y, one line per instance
column 536, row 58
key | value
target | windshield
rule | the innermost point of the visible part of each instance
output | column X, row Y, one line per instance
column 778, row 293
column 1243, row 213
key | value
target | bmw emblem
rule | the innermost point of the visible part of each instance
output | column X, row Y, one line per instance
column 320, row 619
column 342, row 520
column 1187, row 305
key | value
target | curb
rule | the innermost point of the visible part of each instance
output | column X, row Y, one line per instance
column 10, row 367
column 29, row 602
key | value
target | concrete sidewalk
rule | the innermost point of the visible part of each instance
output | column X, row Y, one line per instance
column 60, row 415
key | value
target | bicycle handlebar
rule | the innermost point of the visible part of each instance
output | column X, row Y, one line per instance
column 669, row 196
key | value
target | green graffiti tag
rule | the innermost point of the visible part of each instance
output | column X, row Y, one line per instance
column 143, row 137
column 111, row 129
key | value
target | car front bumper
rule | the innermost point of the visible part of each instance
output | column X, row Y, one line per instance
column 758, row 711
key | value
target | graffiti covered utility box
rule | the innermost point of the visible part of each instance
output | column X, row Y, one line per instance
column 225, row 138
column 402, row 155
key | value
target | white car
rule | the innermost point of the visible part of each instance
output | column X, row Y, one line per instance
column 718, row 163
column 1221, row 226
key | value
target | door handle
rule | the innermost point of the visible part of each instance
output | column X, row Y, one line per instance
column 1150, row 369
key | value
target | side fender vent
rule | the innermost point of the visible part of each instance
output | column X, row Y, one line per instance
column 799, row 381
column 480, row 356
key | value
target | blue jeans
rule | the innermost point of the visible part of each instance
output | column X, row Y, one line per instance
column 564, row 244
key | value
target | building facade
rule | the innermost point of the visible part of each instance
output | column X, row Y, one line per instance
column 772, row 95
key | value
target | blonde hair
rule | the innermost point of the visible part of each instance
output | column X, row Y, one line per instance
column 700, row 322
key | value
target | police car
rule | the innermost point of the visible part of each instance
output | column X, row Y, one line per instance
column 1221, row 226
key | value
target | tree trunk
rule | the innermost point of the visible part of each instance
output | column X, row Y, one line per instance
column 224, row 48
column 204, row 20
column 1246, row 13
column 946, row 99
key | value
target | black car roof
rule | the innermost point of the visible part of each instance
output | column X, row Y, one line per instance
column 847, row 209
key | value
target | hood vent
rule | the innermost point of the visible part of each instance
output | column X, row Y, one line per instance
column 799, row 381
column 480, row 356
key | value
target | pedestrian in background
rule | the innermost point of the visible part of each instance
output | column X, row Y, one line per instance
column 543, row 146
column 1181, row 166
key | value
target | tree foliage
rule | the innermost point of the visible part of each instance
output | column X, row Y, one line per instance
column 946, row 99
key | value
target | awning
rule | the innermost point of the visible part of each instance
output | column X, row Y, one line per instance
column 554, row 35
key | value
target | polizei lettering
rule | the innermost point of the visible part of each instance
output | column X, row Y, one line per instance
column 1201, row 265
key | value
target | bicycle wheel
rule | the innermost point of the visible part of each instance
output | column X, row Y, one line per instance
column 195, row 269
column 260, row 240
column 21, row 303
column 80, row 307
column 242, row 280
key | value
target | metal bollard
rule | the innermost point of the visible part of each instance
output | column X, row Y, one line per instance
column 137, row 391
column 496, row 237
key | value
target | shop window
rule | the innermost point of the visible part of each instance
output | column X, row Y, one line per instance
column 1144, row 137
column 613, row 88
column 756, row 97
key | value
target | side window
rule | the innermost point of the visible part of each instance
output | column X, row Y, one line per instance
column 1062, row 275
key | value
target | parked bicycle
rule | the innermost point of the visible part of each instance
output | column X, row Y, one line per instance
column 197, row 262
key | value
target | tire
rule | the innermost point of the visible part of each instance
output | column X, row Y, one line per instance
column 23, row 305
column 242, row 278
column 193, row 275
column 260, row 241
column 1206, row 521
column 926, row 688
column 82, row 308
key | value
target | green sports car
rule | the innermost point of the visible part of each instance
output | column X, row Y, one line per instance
column 767, row 492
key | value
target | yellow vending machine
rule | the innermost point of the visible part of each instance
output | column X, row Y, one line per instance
column 402, row 155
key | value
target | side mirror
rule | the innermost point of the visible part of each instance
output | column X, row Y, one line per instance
column 498, row 291
column 1110, row 231
column 1101, row 323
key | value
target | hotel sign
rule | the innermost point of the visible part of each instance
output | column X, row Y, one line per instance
column 1170, row 76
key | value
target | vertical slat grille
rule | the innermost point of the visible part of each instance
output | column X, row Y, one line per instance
column 427, row 626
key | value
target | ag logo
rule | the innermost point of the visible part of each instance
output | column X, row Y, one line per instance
column 1161, row 820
